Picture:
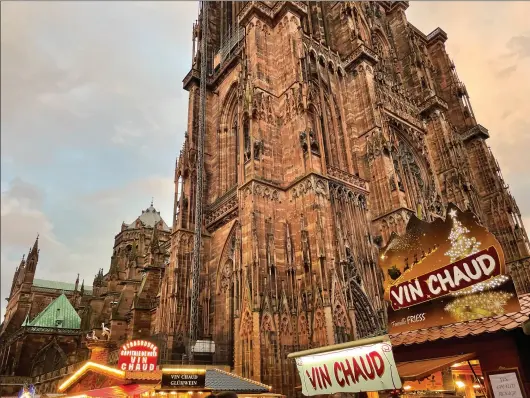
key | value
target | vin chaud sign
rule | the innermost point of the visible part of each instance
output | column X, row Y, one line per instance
column 138, row 356
column 443, row 272
column 368, row 367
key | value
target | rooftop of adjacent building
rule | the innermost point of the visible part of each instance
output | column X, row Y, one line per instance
column 64, row 286
column 475, row 327
column 58, row 314
column 150, row 217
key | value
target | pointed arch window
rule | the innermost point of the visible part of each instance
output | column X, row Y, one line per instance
column 48, row 360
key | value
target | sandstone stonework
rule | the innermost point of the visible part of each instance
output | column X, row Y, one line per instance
column 124, row 299
column 327, row 125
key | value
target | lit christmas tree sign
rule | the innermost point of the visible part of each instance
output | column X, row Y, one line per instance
column 445, row 271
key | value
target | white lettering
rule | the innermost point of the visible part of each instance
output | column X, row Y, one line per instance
column 415, row 290
column 399, row 298
column 487, row 269
column 430, row 284
column 459, row 275
column 472, row 275
column 447, row 280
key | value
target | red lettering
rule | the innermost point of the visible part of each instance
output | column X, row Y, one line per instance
column 313, row 383
column 337, row 367
column 317, row 374
column 370, row 374
column 358, row 371
column 324, row 374
column 379, row 367
column 346, row 369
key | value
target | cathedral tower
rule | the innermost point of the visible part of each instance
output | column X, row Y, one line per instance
column 19, row 300
column 327, row 125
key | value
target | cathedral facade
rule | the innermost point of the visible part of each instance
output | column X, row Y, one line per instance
column 328, row 124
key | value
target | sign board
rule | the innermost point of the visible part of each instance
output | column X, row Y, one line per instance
column 506, row 384
column 356, row 369
column 183, row 380
column 450, row 270
column 138, row 356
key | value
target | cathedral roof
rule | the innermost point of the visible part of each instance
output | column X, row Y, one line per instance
column 58, row 285
column 150, row 218
column 58, row 314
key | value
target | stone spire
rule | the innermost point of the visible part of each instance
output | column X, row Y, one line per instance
column 33, row 256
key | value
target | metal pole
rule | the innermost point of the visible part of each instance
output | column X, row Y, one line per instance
column 196, row 263
column 482, row 387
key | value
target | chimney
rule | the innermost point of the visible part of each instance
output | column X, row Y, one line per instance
column 100, row 350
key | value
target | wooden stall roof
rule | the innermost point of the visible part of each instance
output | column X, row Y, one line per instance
column 418, row 370
column 508, row 321
column 124, row 391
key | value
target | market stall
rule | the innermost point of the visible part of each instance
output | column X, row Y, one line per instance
column 353, row 367
column 454, row 318
column 138, row 375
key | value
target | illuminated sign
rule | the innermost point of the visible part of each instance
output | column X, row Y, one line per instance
column 446, row 271
column 183, row 380
column 138, row 356
column 355, row 369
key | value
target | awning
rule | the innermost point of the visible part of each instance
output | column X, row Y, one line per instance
column 417, row 370
column 129, row 390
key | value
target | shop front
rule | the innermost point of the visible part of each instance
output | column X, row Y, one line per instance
column 457, row 327
column 468, row 359
column 138, row 375
column 359, row 366
column 456, row 323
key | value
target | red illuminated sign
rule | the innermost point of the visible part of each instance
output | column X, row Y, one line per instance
column 138, row 356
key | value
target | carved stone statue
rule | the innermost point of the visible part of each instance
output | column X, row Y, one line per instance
column 105, row 332
column 303, row 141
column 313, row 141
column 258, row 149
column 92, row 336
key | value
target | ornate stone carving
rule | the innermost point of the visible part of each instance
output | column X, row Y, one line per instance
column 313, row 141
column 311, row 183
column 246, row 325
column 258, row 149
column 392, row 100
column 223, row 207
column 432, row 104
column 226, row 275
column 262, row 190
column 347, row 177
column 361, row 53
column 342, row 193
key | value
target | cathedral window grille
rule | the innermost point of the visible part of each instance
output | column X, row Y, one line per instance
column 48, row 360
column 324, row 138
column 236, row 152
column 246, row 137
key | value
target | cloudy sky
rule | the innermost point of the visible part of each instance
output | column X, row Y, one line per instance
column 93, row 115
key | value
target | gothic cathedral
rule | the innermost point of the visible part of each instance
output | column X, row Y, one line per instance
column 328, row 124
